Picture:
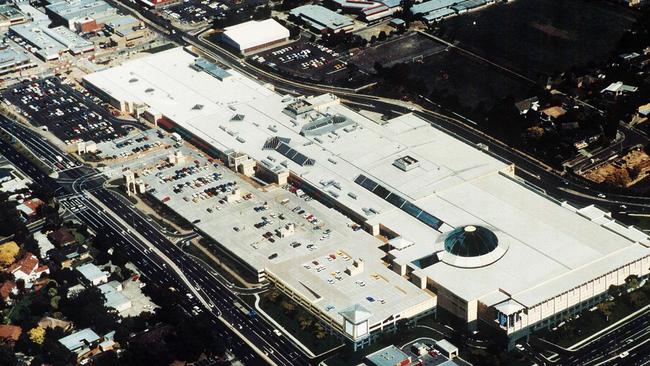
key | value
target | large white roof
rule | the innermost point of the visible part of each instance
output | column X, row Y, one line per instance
column 254, row 33
column 552, row 247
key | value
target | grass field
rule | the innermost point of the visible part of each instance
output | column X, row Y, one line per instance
column 450, row 73
column 538, row 37
column 396, row 50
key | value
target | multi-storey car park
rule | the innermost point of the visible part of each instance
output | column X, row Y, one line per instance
column 463, row 233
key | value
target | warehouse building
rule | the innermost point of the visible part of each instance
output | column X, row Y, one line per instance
column 255, row 35
column 459, row 223
column 49, row 43
column 322, row 20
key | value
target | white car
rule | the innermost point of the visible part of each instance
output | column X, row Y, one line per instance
column 624, row 354
column 519, row 347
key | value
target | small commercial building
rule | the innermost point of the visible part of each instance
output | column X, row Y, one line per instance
column 389, row 356
column 126, row 28
column 114, row 298
column 92, row 274
column 255, row 35
column 12, row 60
column 10, row 16
column 322, row 20
column 81, row 15
column 81, row 343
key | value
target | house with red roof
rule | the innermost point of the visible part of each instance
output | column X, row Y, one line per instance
column 6, row 289
column 28, row 269
column 9, row 334
column 29, row 207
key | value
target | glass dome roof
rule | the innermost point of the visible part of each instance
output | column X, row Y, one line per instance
column 470, row 241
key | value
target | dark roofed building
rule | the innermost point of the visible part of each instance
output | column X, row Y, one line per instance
column 9, row 334
column 61, row 237
column 67, row 256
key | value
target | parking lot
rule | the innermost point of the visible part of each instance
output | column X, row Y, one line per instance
column 136, row 146
column 195, row 12
column 204, row 192
column 66, row 113
column 303, row 59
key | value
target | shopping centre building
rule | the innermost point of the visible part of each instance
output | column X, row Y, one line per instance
column 447, row 225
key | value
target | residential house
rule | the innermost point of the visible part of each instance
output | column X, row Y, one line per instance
column 114, row 298
column 11, row 180
column 86, row 343
column 527, row 104
column 618, row 89
column 92, row 274
column 9, row 334
column 6, row 289
column 51, row 323
column 61, row 237
column 69, row 255
column 553, row 113
column 28, row 269
column 29, row 207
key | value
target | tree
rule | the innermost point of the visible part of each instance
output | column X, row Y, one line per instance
column 319, row 331
column 37, row 335
column 273, row 296
column 87, row 309
column 44, row 193
column 606, row 308
column 6, row 276
column 638, row 298
column 632, row 282
column 614, row 290
column 11, row 220
column 305, row 321
column 7, row 356
column 8, row 253
column 406, row 9
column 54, row 352
column 288, row 307
column 30, row 244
